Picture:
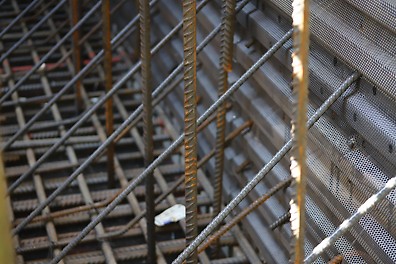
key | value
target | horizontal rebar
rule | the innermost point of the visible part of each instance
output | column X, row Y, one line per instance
column 264, row 171
column 159, row 159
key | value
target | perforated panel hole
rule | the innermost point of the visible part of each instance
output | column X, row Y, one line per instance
column 335, row 61
column 374, row 90
column 390, row 148
column 354, row 117
column 279, row 19
column 321, row 90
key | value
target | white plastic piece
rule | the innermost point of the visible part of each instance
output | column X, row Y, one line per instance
column 171, row 215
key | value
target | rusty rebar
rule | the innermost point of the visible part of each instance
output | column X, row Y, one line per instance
column 299, row 129
column 226, row 54
column 108, row 84
column 75, row 10
column 190, row 124
column 239, row 217
column 145, row 57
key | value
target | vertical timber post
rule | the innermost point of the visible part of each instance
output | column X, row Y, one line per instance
column 75, row 16
column 226, row 54
column 299, row 128
column 108, row 81
column 145, row 56
column 190, row 127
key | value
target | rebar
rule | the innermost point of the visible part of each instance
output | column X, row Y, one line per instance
column 283, row 219
column 75, row 7
column 226, row 54
column 365, row 208
column 49, row 53
column 298, row 127
column 108, row 83
column 18, row 17
column 190, row 124
column 156, row 162
column 245, row 212
column 145, row 57
column 31, row 31
column 264, row 171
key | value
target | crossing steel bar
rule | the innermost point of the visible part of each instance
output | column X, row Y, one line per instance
column 31, row 31
column 157, row 161
column 226, row 54
column 145, row 57
column 108, row 83
column 365, row 208
column 91, row 110
column 18, row 17
column 190, row 124
column 298, row 165
column 264, row 171
column 49, row 53
column 75, row 7
column 239, row 217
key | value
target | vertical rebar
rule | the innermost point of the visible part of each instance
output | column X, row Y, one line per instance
column 108, row 81
column 7, row 254
column 226, row 50
column 75, row 6
column 145, row 56
column 190, row 127
column 299, row 129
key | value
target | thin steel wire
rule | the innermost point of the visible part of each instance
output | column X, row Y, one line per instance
column 365, row 208
column 226, row 54
column 298, row 165
column 190, row 124
column 264, row 171
column 132, row 185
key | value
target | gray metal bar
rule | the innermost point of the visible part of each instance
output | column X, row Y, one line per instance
column 348, row 223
